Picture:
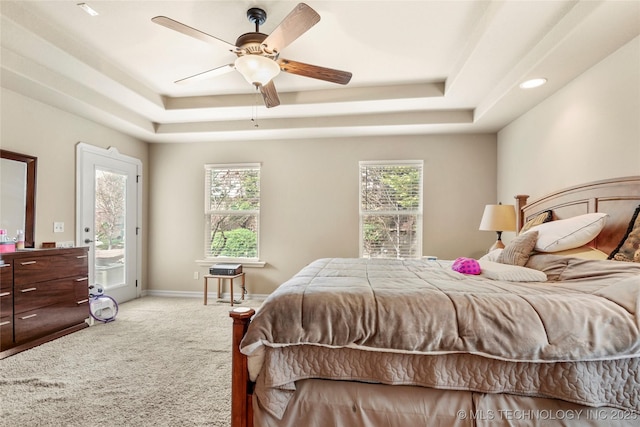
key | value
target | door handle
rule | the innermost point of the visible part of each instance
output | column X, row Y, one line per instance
column 88, row 240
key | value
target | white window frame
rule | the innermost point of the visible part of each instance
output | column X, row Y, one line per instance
column 247, row 261
column 419, row 164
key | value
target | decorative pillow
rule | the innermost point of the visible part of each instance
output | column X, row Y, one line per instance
column 569, row 233
column 518, row 250
column 510, row 273
column 584, row 252
column 629, row 247
column 541, row 218
column 466, row 266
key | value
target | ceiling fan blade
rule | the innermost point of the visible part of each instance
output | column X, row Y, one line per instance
column 207, row 74
column 296, row 23
column 270, row 95
column 192, row 32
column 314, row 71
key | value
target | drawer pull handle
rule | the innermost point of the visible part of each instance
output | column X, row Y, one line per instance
column 4, row 294
column 5, row 322
column 29, row 290
column 82, row 301
column 5, row 265
column 82, row 279
column 81, row 256
column 28, row 317
column 27, row 262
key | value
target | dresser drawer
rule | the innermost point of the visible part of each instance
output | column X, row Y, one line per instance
column 36, row 295
column 81, row 289
column 44, row 268
column 6, row 302
column 6, row 332
column 33, row 324
column 6, row 276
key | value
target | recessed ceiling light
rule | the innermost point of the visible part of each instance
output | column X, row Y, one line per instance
column 530, row 84
column 88, row 9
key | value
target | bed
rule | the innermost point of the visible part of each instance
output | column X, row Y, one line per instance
column 553, row 339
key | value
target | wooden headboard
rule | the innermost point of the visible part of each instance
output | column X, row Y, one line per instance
column 618, row 197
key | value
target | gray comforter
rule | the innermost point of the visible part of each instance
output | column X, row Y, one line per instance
column 575, row 336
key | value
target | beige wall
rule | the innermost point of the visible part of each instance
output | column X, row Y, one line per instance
column 309, row 201
column 587, row 131
column 33, row 128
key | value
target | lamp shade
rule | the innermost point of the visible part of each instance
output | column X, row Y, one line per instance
column 257, row 69
column 498, row 218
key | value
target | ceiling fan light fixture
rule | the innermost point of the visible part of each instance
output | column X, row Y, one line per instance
column 257, row 69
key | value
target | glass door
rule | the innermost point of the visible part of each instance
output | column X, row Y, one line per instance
column 108, row 206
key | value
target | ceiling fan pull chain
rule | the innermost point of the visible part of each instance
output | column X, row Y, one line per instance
column 254, row 108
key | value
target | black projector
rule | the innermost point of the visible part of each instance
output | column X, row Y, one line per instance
column 225, row 269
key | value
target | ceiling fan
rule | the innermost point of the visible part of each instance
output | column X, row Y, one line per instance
column 258, row 54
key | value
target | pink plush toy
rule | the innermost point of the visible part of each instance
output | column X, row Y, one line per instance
column 466, row 266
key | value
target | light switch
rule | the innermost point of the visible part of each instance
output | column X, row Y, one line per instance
column 58, row 227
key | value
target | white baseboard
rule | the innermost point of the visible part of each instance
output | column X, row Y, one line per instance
column 198, row 294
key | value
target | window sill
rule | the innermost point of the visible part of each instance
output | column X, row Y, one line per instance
column 245, row 263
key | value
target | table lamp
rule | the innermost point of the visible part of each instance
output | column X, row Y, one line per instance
column 498, row 218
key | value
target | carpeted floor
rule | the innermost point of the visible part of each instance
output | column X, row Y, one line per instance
column 162, row 362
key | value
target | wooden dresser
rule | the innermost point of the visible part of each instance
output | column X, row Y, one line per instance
column 43, row 295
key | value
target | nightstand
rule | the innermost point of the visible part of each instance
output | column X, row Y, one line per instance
column 221, row 279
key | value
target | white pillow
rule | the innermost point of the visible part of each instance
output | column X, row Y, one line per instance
column 511, row 273
column 492, row 256
column 568, row 233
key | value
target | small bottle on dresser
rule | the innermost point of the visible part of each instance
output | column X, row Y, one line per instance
column 20, row 239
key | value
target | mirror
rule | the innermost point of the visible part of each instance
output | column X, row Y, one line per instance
column 18, row 195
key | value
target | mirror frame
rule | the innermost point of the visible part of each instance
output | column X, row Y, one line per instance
column 30, row 214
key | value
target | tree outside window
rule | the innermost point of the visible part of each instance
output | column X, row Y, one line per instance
column 391, row 209
column 232, row 207
column 110, row 210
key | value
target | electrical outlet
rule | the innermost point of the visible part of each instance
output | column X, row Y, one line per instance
column 67, row 244
column 58, row 227
column 196, row 276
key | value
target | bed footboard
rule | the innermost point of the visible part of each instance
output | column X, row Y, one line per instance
column 241, row 386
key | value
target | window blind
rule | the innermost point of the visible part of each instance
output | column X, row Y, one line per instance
column 391, row 209
column 232, row 211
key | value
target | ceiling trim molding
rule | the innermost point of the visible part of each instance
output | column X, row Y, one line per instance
column 350, row 94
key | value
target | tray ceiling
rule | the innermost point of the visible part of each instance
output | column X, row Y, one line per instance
column 418, row 66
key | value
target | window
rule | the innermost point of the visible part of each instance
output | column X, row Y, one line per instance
column 232, row 211
column 391, row 209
